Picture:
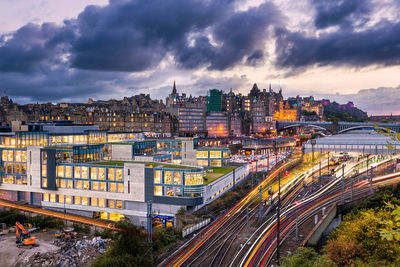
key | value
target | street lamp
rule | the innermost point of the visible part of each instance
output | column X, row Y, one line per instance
column 313, row 141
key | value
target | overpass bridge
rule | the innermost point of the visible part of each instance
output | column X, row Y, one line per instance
column 337, row 127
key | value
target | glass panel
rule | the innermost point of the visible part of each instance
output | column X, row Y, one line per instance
column 119, row 174
column 101, row 202
column 68, row 199
column 61, row 198
column 60, row 171
column 177, row 178
column 77, row 173
column 86, row 185
column 68, row 171
column 85, row 171
column 93, row 173
column 85, row 201
column 94, row 201
column 158, row 190
column 169, row 191
column 111, row 174
column 111, row 204
column 120, row 187
column 101, row 173
column 18, row 156
column 113, row 187
column 215, row 154
column 167, row 177
column 69, row 184
column 119, row 204
column 78, row 184
column 95, row 185
column 77, row 200
column 157, row 177
column 103, row 186
column 202, row 154
column 45, row 197
column 4, row 155
column 44, row 171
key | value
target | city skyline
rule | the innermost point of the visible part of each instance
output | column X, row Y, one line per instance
column 86, row 53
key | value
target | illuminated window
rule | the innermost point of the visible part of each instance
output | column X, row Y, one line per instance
column 44, row 182
column 177, row 178
column 158, row 190
column 225, row 155
column 202, row 154
column 77, row 200
column 101, row 202
column 77, row 173
column 4, row 155
column 46, row 197
column 167, row 177
column 44, row 171
column 10, row 155
column 78, row 184
column 120, row 188
column 68, row 199
column 52, row 197
column 93, row 173
column 61, row 198
column 60, row 171
column 18, row 156
column 215, row 163
column 118, row 204
column 119, row 174
column 104, row 216
column 68, row 171
column 169, row 191
column 85, row 171
column 215, row 154
column 101, row 173
column 69, row 184
column 85, row 201
column 95, row 185
column 113, row 187
column 111, row 204
column 202, row 162
column 93, row 202
column 111, row 174
column 157, row 177
column 103, row 186
column 86, row 185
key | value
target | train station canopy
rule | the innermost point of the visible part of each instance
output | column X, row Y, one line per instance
column 361, row 141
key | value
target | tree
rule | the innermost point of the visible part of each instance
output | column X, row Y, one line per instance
column 306, row 257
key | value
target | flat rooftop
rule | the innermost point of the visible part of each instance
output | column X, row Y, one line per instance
column 363, row 141
column 148, row 164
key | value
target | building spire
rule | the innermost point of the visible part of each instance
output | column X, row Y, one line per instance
column 174, row 89
column 270, row 88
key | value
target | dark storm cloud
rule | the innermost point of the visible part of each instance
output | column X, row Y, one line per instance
column 135, row 36
column 241, row 38
column 341, row 12
column 379, row 45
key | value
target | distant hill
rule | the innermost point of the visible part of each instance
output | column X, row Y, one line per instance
column 347, row 112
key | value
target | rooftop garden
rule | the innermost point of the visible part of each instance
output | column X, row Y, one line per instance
column 215, row 173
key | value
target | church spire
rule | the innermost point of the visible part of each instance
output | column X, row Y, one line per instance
column 174, row 89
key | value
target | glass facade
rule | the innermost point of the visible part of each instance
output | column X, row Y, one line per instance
column 178, row 182
column 212, row 157
column 13, row 166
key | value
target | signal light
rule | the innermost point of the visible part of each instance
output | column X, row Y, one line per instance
column 286, row 173
column 297, row 203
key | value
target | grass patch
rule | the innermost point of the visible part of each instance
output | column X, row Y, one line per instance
column 216, row 173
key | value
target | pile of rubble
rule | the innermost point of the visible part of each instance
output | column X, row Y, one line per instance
column 72, row 253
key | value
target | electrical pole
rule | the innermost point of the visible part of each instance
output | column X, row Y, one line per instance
column 278, row 220
column 370, row 183
column 234, row 180
column 149, row 221
column 351, row 192
column 256, row 171
column 343, row 183
column 367, row 165
column 260, row 212
column 268, row 160
column 320, row 160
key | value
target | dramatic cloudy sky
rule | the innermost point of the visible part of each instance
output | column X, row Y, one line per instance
column 69, row 50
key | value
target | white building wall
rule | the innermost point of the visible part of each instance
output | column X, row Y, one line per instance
column 121, row 152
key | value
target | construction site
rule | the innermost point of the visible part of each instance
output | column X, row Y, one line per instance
column 69, row 244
